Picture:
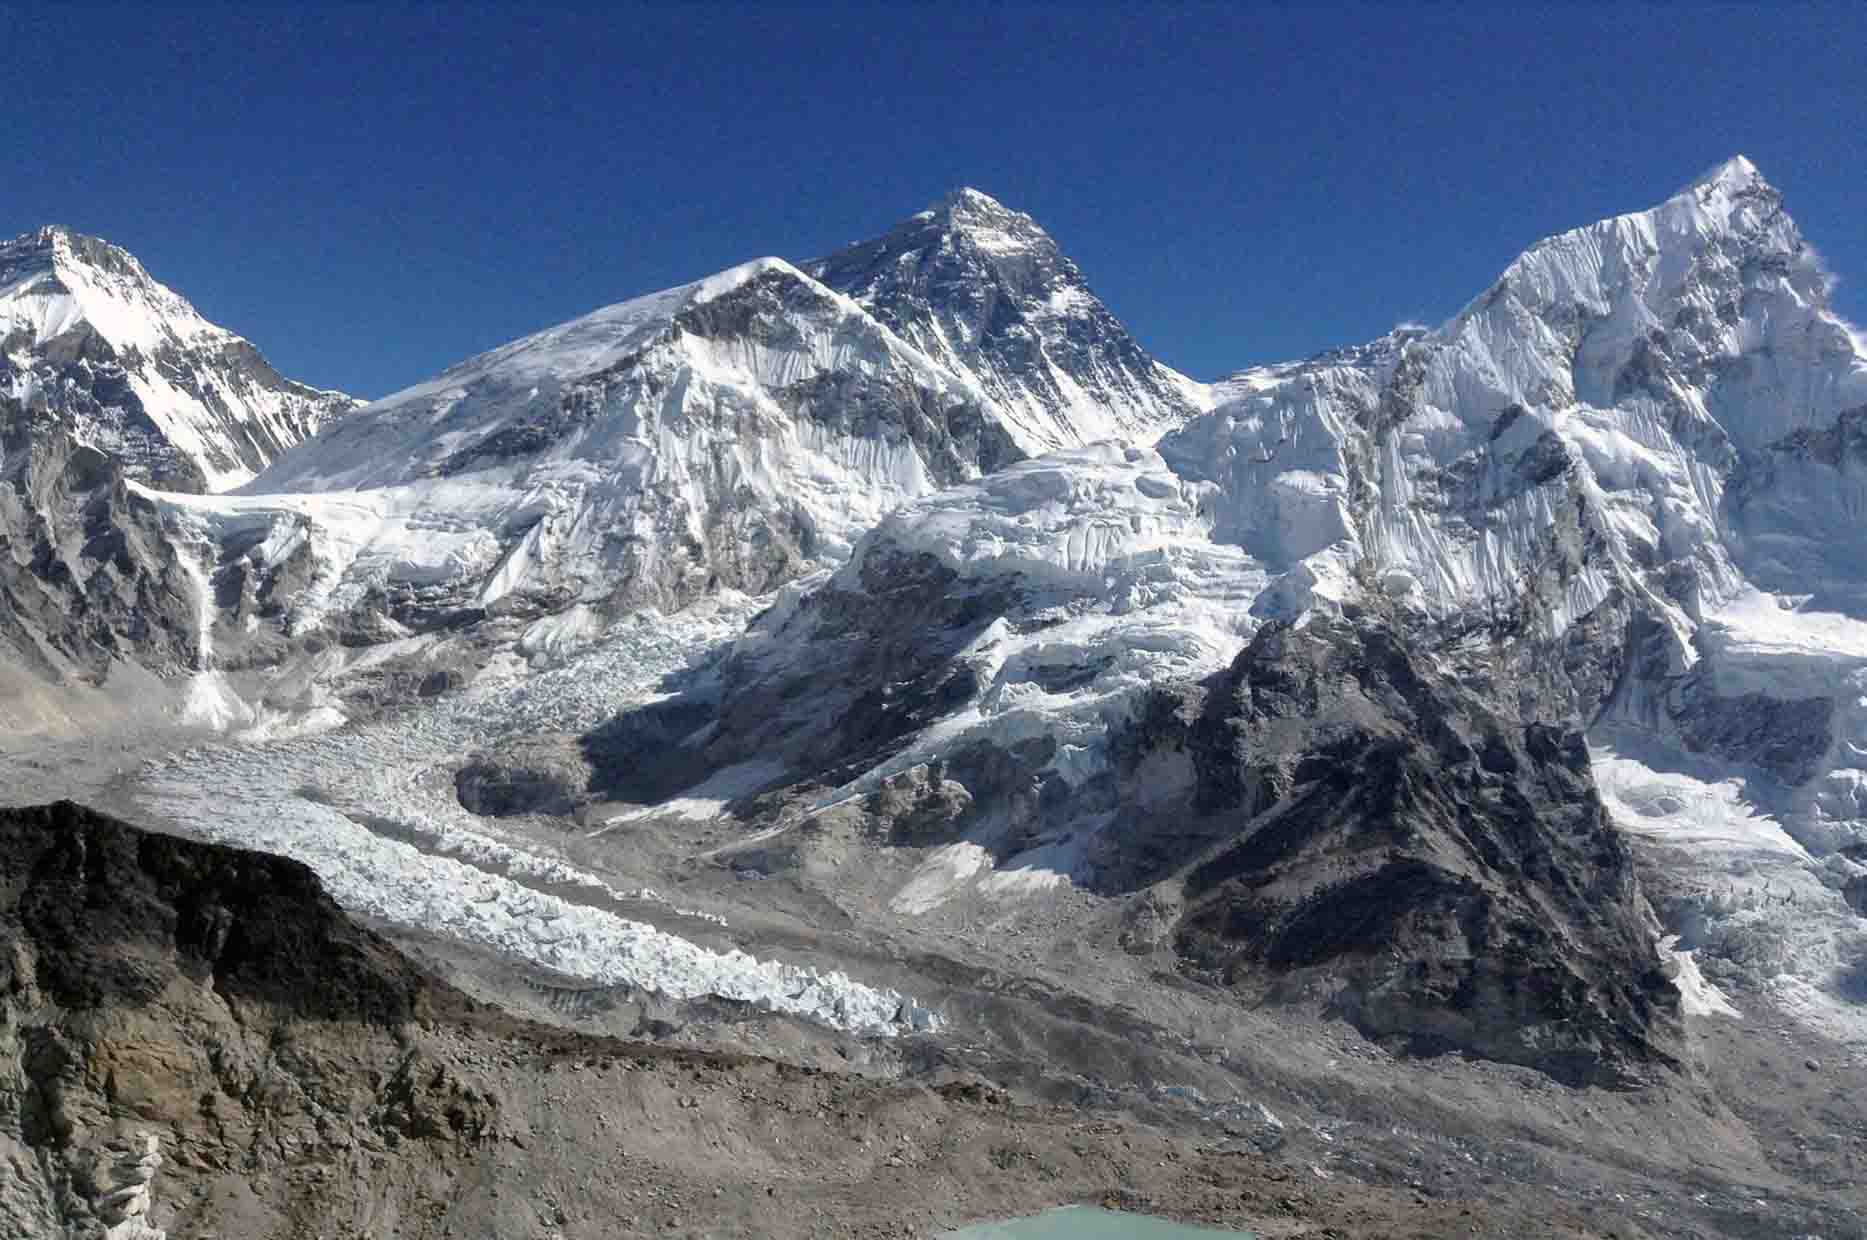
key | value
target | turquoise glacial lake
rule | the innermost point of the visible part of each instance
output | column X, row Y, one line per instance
column 1088, row 1223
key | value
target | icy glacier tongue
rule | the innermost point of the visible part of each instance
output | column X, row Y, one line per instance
column 1586, row 498
column 91, row 343
column 363, row 807
column 984, row 291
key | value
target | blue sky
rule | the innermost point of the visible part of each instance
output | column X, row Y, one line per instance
column 370, row 195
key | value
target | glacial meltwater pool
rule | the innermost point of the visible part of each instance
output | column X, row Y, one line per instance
column 1089, row 1223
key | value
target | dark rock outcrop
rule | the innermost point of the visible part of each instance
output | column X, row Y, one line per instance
column 167, row 1002
column 1445, row 873
column 541, row 775
column 112, row 916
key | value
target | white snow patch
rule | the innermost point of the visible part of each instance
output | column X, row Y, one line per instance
column 709, row 799
column 1697, row 997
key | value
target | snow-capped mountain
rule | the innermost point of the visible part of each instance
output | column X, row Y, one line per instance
column 1452, row 601
column 984, row 291
column 727, row 434
column 731, row 433
column 124, row 364
column 1617, row 492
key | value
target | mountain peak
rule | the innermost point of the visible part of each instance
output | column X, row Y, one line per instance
column 1734, row 175
column 969, row 201
column 62, row 246
column 986, row 222
column 132, row 369
column 986, row 292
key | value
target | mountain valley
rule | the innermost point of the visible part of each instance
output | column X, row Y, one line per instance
column 952, row 762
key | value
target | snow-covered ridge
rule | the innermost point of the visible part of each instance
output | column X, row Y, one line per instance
column 129, row 367
column 421, row 430
column 53, row 280
column 729, row 433
column 734, row 432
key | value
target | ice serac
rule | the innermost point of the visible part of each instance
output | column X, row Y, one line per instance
column 89, row 341
column 984, row 291
column 1617, row 493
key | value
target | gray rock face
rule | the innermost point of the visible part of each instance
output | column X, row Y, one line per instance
column 145, row 983
column 543, row 775
column 1447, row 872
column 985, row 290
column 1788, row 737
column 87, row 573
column 90, row 340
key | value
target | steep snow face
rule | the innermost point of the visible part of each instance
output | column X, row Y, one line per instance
column 728, row 433
column 984, row 291
column 127, row 366
column 1612, row 382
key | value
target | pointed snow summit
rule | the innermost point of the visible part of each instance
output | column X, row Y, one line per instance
column 126, row 365
column 985, row 291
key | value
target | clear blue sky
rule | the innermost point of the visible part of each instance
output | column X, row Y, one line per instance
column 370, row 196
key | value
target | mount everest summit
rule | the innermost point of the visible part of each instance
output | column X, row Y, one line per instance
column 1495, row 688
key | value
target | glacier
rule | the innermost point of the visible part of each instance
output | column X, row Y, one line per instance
column 1619, row 487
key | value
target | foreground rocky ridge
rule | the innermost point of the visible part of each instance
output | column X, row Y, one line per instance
column 198, row 1043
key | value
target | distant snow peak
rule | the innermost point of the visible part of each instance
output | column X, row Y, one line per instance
column 990, row 224
column 125, row 365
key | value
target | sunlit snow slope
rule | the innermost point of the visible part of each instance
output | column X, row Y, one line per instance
column 89, row 340
column 722, row 434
